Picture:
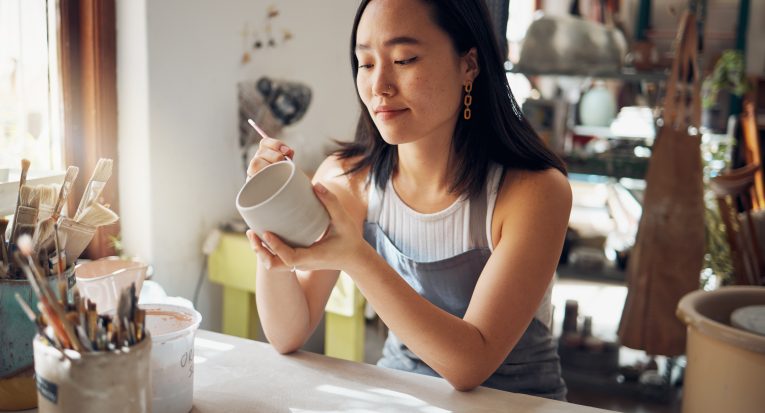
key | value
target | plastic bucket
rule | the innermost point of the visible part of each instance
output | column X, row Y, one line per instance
column 102, row 281
column 726, row 365
column 172, row 329
column 104, row 381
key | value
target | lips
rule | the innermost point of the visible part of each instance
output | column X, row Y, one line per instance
column 386, row 113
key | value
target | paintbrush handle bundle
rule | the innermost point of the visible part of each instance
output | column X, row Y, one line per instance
column 38, row 213
column 76, row 324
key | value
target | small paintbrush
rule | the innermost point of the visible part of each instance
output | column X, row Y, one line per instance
column 48, row 303
column 25, row 163
column 66, row 187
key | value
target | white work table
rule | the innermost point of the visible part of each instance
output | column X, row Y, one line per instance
column 238, row 375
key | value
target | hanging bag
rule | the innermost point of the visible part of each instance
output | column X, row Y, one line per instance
column 667, row 258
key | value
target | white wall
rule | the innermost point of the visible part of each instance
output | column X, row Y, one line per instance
column 178, row 66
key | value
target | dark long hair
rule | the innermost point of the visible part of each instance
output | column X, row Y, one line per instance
column 497, row 131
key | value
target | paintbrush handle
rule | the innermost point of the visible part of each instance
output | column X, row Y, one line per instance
column 55, row 323
column 25, row 163
column 22, row 181
column 49, row 307
column 3, row 247
column 96, row 184
column 66, row 187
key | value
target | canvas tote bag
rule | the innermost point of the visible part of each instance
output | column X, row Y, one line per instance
column 666, row 260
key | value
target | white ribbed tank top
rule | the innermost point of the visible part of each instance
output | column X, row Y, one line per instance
column 443, row 234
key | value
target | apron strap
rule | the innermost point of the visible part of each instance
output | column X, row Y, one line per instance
column 479, row 211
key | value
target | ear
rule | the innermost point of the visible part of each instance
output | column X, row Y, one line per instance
column 469, row 64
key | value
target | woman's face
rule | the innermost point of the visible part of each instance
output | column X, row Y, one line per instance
column 410, row 77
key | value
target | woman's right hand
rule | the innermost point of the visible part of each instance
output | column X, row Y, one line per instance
column 267, row 258
column 269, row 151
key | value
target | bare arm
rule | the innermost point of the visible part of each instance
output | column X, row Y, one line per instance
column 532, row 214
column 290, row 305
column 530, row 222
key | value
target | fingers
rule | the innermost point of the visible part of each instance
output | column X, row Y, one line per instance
column 265, row 256
column 256, row 244
column 287, row 254
column 256, row 164
column 269, row 151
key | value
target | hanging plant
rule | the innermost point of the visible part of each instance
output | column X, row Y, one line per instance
column 729, row 74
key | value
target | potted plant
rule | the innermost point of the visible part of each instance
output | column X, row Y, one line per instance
column 727, row 78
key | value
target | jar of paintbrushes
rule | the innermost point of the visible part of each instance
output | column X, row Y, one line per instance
column 56, row 241
column 83, row 361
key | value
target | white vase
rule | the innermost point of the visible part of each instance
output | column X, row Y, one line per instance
column 597, row 107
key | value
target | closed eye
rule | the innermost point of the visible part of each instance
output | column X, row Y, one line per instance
column 406, row 61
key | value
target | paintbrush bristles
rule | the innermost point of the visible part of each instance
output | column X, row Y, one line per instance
column 25, row 244
column 97, row 215
column 43, row 234
column 103, row 170
column 47, row 195
column 28, row 196
column 25, row 164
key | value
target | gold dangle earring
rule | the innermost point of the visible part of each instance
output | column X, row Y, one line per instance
column 467, row 114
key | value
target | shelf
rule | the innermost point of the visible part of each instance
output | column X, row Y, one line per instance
column 608, row 165
column 627, row 74
column 605, row 132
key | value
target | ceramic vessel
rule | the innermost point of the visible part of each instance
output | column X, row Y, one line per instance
column 280, row 199
column 597, row 107
column 104, row 381
column 726, row 365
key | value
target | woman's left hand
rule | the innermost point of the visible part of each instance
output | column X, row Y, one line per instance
column 335, row 251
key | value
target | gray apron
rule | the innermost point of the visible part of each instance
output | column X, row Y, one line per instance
column 532, row 367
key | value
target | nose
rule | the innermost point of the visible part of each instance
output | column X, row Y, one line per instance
column 382, row 84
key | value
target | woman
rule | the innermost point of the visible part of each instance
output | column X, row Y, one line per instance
column 447, row 210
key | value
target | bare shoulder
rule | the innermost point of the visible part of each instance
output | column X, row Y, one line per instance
column 349, row 188
column 532, row 196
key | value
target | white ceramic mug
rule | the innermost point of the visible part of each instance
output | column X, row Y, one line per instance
column 280, row 199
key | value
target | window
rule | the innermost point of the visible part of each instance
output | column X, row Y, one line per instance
column 29, row 89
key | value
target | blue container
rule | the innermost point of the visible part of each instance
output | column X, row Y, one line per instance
column 16, row 331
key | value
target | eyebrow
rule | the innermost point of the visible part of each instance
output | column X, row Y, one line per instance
column 391, row 42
